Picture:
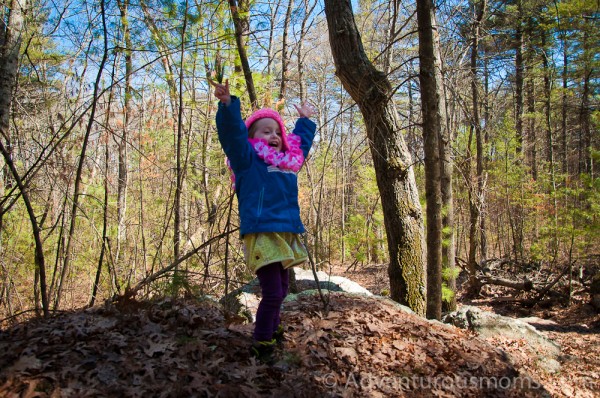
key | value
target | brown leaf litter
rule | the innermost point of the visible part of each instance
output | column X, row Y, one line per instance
column 178, row 348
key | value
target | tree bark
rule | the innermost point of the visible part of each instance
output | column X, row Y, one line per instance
column 79, row 173
column 165, row 53
column 430, row 108
column 446, row 170
column 391, row 36
column 240, row 23
column 395, row 179
column 104, row 218
column 476, row 186
column 273, row 12
column 519, row 79
column 585, row 139
column 122, row 144
column 10, row 45
column 285, row 58
column 550, row 137
column 178, row 167
column 530, row 101
column 303, row 31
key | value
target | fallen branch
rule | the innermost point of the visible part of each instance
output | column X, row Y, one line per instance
column 525, row 285
column 131, row 291
column 545, row 290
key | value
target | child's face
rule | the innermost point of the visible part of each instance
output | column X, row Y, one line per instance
column 268, row 129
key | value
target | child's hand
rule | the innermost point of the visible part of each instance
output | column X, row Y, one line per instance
column 222, row 91
column 306, row 110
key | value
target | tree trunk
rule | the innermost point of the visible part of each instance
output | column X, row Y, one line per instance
column 476, row 186
column 563, row 103
column 174, row 99
column 550, row 138
column 519, row 79
column 122, row 144
column 285, row 58
column 519, row 105
column 391, row 37
column 178, row 168
column 531, row 126
column 104, row 218
column 303, row 31
column 241, row 24
column 79, row 173
column 446, row 169
column 564, row 75
column 530, row 101
column 585, row 141
column 395, row 179
column 486, row 158
column 273, row 12
column 11, row 36
column 430, row 108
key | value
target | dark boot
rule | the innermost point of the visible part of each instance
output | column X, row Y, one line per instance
column 279, row 336
column 263, row 351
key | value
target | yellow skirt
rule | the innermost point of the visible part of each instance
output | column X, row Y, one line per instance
column 271, row 247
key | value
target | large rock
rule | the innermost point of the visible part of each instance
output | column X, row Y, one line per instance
column 305, row 280
column 488, row 324
column 244, row 301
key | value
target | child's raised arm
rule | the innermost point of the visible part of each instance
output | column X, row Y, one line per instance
column 305, row 110
column 222, row 91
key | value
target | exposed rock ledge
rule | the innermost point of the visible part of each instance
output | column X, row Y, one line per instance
column 245, row 301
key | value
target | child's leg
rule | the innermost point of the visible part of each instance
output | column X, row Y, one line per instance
column 285, row 284
column 269, row 277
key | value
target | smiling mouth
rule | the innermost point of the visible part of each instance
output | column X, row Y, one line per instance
column 273, row 144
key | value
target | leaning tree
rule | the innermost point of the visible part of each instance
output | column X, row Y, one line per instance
column 372, row 92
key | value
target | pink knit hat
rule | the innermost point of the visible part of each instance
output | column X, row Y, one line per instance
column 271, row 114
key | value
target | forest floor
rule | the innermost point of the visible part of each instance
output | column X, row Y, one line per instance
column 358, row 347
column 575, row 328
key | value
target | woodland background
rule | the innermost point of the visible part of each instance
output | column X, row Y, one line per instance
column 112, row 170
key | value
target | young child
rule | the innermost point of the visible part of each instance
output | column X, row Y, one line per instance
column 265, row 160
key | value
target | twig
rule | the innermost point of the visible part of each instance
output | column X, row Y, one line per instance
column 227, row 240
column 313, row 267
column 18, row 314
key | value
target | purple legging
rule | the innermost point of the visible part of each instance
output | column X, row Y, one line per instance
column 274, row 284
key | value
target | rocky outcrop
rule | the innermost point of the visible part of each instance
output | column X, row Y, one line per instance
column 305, row 280
column 244, row 301
column 488, row 324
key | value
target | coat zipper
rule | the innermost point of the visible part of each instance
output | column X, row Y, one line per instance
column 260, row 202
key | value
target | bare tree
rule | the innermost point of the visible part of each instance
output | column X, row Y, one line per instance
column 11, row 35
column 519, row 80
column 82, row 158
column 240, row 15
column 178, row 141
column 308, row 9
column 122, row 144
column 430, row 108
column 285, row 56
column 475, row 188
column 105, row 239
column 446, row 182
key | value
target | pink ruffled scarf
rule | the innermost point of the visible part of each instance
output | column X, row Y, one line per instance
column 292, row 159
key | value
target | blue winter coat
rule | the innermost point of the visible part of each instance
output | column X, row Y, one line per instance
column 267, row 196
